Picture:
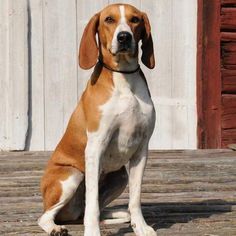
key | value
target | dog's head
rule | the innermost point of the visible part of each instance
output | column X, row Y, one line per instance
column 120, row 27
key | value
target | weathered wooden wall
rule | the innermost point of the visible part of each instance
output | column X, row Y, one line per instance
column 13, row 74
column 228, row 71
column 39, row 96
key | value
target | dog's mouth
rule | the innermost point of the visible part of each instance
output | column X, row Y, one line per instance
column 123, row 49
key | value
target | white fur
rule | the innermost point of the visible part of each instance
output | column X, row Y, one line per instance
column 127, row 123
column 137, row 166
column 115, row 217
column 122, row 26
column 69, row 186
column 91, row 218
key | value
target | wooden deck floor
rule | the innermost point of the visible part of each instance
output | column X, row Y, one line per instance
column 184, row 193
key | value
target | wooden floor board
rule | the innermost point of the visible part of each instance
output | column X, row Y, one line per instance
column 184, row 193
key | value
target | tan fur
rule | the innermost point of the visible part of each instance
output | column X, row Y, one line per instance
column 71, row 148
column 50, row 184
column 88, row 46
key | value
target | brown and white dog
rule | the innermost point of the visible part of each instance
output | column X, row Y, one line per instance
column 110, row 127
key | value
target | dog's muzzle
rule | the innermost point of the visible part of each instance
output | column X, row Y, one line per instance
column 124, row 39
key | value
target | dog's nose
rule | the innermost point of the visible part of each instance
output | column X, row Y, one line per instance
column 124, row 37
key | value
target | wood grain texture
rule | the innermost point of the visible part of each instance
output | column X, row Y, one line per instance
column 172, row 82
column 228, row 55
column 200, row 112
column 228, row 119
column 228, row 80
column 60, row 65
column 36, row 127
column 14, row 74
column 159, row 79
column 135, row 3
column 228, row 64
column 228, row 36
column 228, row 18
column 184, row 193
column 228, row 2
column 183, row 84
column 4, row 63
column 209, row 123
column 228, row 137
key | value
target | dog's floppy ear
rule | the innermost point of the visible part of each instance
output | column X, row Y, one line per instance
column 88, row 51
column 147, row 44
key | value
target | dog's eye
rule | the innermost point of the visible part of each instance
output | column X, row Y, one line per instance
column 109, row 20
column 135, row 19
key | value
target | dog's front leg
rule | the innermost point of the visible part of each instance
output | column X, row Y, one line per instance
column 136, row 168
column 93, row 154
column 95, row 148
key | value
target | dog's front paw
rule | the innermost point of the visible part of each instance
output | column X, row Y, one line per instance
column 143, row 230
column 60, row 231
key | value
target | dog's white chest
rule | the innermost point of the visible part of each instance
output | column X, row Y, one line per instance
column 129, row 119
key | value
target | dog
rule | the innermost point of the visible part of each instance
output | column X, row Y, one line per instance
column 110, row 127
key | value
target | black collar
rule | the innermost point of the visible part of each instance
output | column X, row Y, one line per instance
column 119, row 71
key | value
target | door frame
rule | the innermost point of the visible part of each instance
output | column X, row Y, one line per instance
column 209, row 74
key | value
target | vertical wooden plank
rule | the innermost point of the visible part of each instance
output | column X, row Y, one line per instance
column 135, row 3
column 85, row 10
column 4, row 63
column 69, row 58
column 172, row 82
column 159, row 79
column 17, row 75
column 209, row 118
column 60, row 63
column 161, row 137
column 36, row 76
column 160, row 16
column 200, row 114
column 184, row 72
column 179, row 123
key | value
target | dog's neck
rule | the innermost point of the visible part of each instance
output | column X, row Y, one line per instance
column 118, row 69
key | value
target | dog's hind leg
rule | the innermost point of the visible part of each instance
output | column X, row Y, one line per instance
column 73, row 211
column 58, row 186
column 111, row 187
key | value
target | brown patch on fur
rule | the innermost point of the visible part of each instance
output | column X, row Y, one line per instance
column 71, row 149
column 70, row 152
column 50, row 184
column 96, row 94
column 88, row 52
column 147, row 58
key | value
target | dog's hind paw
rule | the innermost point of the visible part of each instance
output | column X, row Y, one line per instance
column 61, row 232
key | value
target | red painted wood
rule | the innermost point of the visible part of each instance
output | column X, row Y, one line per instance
column 228, row 81
column 229, row 101
column 228, row 2
column 229, row 112
column 228, row 55
column 228, row 137
column 200, row 125
column 229, row 118
column 209, row 75
column 228, row 36
column 228, row 18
